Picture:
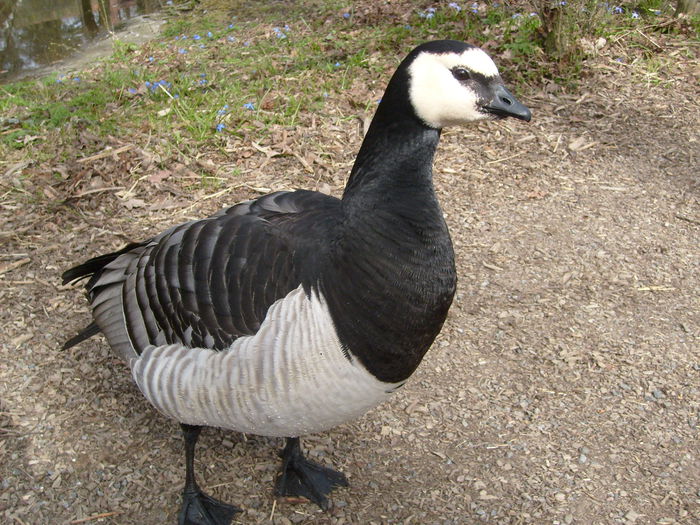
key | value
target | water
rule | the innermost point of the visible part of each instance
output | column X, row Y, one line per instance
column 38, row 33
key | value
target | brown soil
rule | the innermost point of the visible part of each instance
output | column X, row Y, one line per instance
column 564, row 388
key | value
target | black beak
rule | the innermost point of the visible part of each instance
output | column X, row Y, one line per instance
column 504, row 104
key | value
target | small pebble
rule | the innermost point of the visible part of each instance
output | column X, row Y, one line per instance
column 658, row 394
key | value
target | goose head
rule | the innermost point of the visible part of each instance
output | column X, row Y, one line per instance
column 452, row 83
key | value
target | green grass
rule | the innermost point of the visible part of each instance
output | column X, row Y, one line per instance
column 194, row 86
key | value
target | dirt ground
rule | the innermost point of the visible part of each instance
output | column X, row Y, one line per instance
column 564, row 388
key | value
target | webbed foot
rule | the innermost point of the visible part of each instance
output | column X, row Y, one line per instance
column 199, row 508
column 301, row 477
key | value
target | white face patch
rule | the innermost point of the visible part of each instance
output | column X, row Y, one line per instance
column 437, row 97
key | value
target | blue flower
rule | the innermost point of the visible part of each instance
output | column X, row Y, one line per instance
column 337, row 64
column 230, row 26
column 279, row 33
column 475, row 7
column 617, row 10
column 346, row 15
column 220, row 126
column 182, row 51
column 563, row 2
column 59, row 79
column 151, row 59
column 455, row 6
column 210, row 34
column 231, row 38
column 249, row 105
column 196, row 37
column 516, row 15
column 246, row 43
column 656, row 11
column 635, row 14
column 132, row 91
column 177, row 38
column 407, row 27
column 202, row 46
column 183, row 37
column 148, row 84
column 76, row 79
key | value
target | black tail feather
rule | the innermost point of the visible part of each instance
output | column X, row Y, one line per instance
column 85, row 333
column 93, row 266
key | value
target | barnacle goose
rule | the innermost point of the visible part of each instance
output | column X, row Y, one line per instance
column 295, row 312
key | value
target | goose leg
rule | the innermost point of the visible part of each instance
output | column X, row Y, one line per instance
column 305, row 478
column 197, row 507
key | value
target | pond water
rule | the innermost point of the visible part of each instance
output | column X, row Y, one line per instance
column 38, row 33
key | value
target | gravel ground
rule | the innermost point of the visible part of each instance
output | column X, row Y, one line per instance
column 563, row 389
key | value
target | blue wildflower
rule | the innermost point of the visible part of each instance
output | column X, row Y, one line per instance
column 169, row 2
column 246, row 43
column 210, row 34
column 635, row 14
column 279, row 33
column 59, row 79
column 202, row 46
column 475, row 8
column 455, row 6
column 151, row 59
column 346, row 15
column 533, row 14
column 148, row 84
column 231, row 38
column 617, row 10
column 77, row 79
column 132, row 91
column 182, row 51
column 177, row 37
column 407, row 27
column 249, row 105
column 516, row 15
column 196, row 37
column 563, row 2
column 220, row 126
column 183, row 37
column 337, row 64
column 230, row 26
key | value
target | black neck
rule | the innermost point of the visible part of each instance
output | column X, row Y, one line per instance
column 392, row 278
column 397, row 152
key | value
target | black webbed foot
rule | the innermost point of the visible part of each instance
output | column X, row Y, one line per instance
column 301, row 477
column 199, row 508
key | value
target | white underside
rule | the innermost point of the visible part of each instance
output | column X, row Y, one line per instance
column 289, row 379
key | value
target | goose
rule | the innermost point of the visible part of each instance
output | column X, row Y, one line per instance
column 297, row 311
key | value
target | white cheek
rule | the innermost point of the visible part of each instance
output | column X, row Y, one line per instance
column 438, row 98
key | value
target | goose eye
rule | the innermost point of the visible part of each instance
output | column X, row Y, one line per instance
column 461, row 74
